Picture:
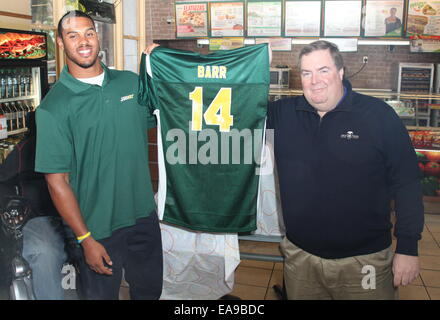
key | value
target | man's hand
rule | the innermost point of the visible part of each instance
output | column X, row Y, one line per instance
column 405, row 268
column 95, row 255
column 150, row 48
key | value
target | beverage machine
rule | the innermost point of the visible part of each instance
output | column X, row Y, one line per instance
column 23, row 83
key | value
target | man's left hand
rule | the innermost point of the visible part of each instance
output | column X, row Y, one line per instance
column 405, row 269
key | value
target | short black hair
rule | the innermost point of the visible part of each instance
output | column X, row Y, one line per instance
column 324, row 45
column 70, row 14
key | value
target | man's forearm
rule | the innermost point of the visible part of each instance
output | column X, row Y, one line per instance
column 65, row 202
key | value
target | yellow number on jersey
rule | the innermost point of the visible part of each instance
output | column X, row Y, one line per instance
column 197, row 108
column 218, row 112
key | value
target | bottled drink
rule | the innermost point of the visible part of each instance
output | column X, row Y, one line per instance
column 15, row 85
column 25, row 111
column 3, row 127
column 3, row 85
column 22, row 83
column 21, row 121
column 3, row 123
column 8, row 114
column 2, row 155
column 31, row 105
column 28, row 82
column 9, row 86
column 14, row 125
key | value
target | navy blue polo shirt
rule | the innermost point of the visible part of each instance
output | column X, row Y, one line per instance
column 338, row 174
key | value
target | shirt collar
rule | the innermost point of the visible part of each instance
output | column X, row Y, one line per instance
column 78, row 86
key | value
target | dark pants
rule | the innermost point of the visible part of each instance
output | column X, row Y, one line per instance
column 138, row 251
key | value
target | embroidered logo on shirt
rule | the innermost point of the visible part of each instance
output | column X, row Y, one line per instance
column 349, row 135
column 125, row 98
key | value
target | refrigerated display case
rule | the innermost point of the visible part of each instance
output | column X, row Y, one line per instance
column 417, row 78
column 23, row 82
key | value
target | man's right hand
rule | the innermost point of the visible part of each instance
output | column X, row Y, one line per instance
column 150, row 48
column 95, row 255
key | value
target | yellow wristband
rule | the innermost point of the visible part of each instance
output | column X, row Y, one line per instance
column 84, row 236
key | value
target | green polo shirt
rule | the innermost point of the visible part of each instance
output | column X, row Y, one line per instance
column 99, row 136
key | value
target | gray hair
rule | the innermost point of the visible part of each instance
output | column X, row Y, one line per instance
column 324, row 45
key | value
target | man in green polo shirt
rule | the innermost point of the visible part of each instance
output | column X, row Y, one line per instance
column 92, row 146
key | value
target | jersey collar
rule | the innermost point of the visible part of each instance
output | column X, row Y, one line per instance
column 78, row 86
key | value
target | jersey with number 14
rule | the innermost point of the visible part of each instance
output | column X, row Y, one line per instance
column 211, row 112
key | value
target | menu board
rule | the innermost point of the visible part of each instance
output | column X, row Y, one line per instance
column 423, row 17
column 384, row 18
column 303, row 19
column 225, row 43
column 345, row 45
column 342, row 18
column 227, row 19
column 192, row 20
column 276, row 44
column 425, row 44
column 264, row 18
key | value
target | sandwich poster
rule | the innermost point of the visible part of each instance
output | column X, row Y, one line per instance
column 192, row 20
column 22, row 45
column 423, row 17
column 227, row 19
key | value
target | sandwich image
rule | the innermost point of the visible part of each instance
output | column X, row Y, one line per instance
column 428, row 10
column 416, row 24
column 22, row 45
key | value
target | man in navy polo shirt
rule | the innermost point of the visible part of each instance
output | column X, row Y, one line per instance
column 341, row 158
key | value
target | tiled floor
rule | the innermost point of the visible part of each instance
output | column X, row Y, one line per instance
column 255, row 279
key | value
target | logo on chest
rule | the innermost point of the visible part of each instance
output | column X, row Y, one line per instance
column 349, row 136
column 125, row 98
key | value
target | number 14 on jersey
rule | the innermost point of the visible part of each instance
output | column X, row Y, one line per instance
column 218, row 112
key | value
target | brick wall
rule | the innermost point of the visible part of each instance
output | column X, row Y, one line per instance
column 157, row 13
column 379, row 73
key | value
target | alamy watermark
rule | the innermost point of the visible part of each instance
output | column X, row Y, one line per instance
column 209, row 146
column 69, row 279
column 369, row 280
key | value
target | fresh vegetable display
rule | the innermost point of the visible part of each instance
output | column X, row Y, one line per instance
column 429, row 164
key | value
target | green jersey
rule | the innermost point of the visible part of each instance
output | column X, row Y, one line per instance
column 211, row 112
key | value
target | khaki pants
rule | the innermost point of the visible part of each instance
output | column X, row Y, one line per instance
column 308, row 277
